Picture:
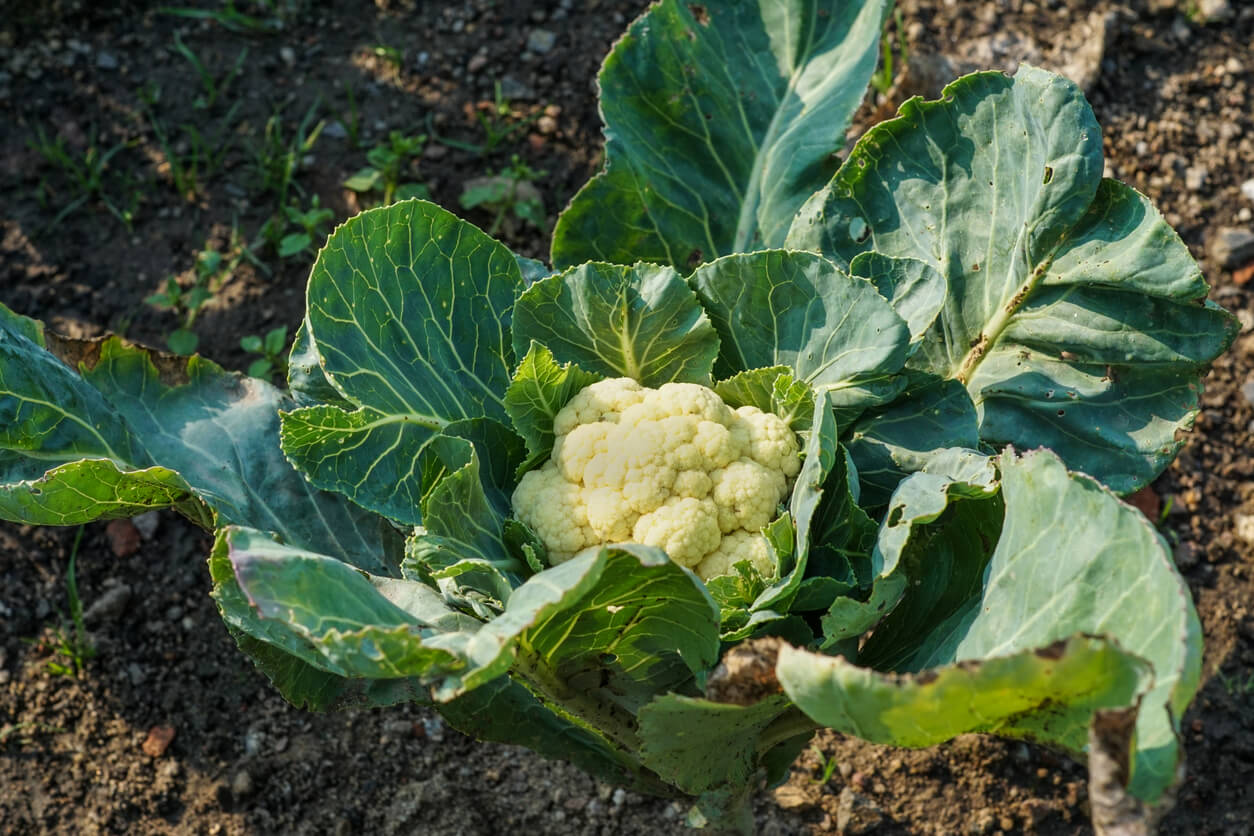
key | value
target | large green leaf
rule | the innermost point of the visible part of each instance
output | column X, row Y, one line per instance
column 1047, row 694
column 721, row 119
column 905, row 541
column 409, row 313
column 641, row 626
column 772, row 389
column 333, row 616
column 99, row 428
column 1071, row 559
column 897, row 439
column 1075, row 316
column 640, row 322
column 796, row 309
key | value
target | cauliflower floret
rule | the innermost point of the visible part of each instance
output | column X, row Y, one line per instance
column 746, row 494
column 737, row 547
column 554, row 509
column 771, row 443
column 685, row 528
column 673, row 467
column 604, row 400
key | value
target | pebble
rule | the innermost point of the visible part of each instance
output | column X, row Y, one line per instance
column 288, row 55
column 476, row 63
column 1243, row 526
column 106, row 61
column 335, row 130
column 620, row 797
column 1186, row 554
column 146, row 523
column 855, row 813
column 1213, row 11
column 541, row 41
column 1195, row 177
column 1247, row 189
column 135, row 673
column 123, row 537
column 1231, row 247
column 109, row 605
column 242, row 784
column 434, row 727
column 513, row 89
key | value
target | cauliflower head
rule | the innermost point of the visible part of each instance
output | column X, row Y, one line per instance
column 673, row 467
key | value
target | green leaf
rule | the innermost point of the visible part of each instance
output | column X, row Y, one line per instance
column 679, row 733
column 409, row 309
column 276, row 338
column 364, row 180
column 294, row 244
column 305, row 378
column 1047, row 693
column 914, row 288
column 889, row 442
column 540, row 388
column 333, row 616
column 1075, row 316
column 720, row 121
column 904, row 539
column 1077, row 559
column 365, row 455
column 251, row 343
column 260, row 368
column 639, row 626
column 795, row 309
column 407, row 191
column 773, row 390
column 182, row 341
column 99, row 429
column 640, row 322
column 504, row 711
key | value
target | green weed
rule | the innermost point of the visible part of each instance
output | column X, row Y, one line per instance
column 387, row 167
column 72, row 648
column 277, row 157
column 497, row 122
column 214, row 87
column 271, row 348
column 512, row 192
column 85, row 177
column 212, row 270
column 883, row 78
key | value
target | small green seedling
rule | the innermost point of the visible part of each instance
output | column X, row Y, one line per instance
column 510, row 193
column 271, row 348
column 390, row 54
column 497, row 121
column 826, row 764
column 206, row 153
column 213, row 87
column 277, row 157
column 84, row 175
column 212, row 270
column 882, row 79
column 310, row 221
column 350, row 118
column 233, row 20
column 72, row 647
column 387, row 166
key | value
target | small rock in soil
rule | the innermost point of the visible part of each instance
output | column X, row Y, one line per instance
column 515, row 90
column 106, row 61
column 1232, row 247
column 791, row 797
column 1214, row 11
column 242, row 784
column 335, row 130
column 541, row 41
column 158, row 741
column 147, row 523
column 1186, row 554
column 1243, row 525
column 123, row 537
column 1247, row 189
column 1195, row 177
column 109, row 605
column 1247, row 391
column 855, row 813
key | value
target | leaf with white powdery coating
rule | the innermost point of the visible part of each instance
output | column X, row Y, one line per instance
column 641, row 322
column 1075, row 316
column 720, row 119
column 409, row 310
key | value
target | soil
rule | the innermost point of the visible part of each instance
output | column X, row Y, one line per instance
column 168, row 729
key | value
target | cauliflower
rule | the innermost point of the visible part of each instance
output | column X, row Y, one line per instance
column 672, row 467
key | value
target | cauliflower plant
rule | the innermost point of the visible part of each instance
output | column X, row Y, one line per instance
column 673, row 467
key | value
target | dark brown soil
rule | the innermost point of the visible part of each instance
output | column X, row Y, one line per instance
column 84, row 754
